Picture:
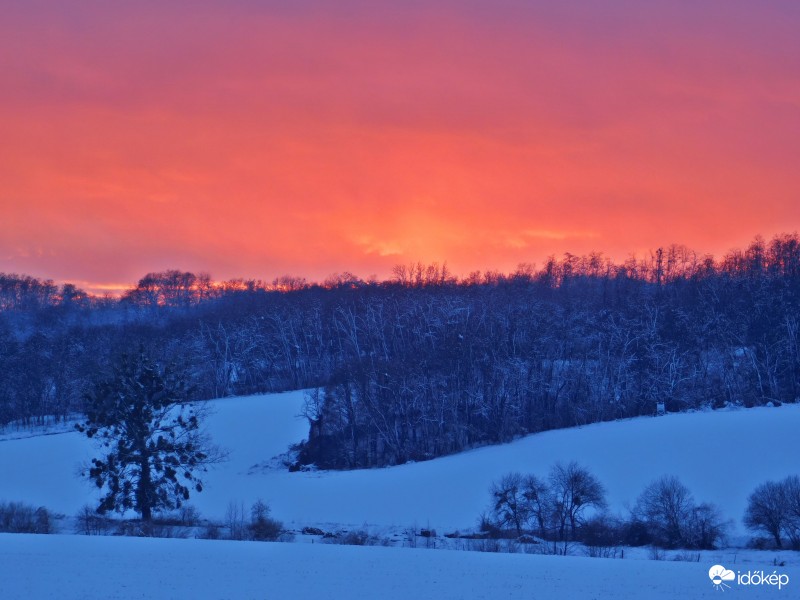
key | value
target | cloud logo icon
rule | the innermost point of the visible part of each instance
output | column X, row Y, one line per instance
column 719, row 575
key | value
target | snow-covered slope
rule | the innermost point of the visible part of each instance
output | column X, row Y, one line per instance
column 67, row 567
column 721, row 456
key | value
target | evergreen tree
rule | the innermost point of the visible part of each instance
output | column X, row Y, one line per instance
column 151, row 438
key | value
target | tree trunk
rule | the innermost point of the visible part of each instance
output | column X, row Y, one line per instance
column 145, row 484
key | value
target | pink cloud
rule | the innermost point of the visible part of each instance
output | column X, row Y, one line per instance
column 252, row 141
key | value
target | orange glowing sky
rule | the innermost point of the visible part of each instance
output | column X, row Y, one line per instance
column 249, row 139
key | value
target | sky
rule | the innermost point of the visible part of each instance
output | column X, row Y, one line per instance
column 256, row 138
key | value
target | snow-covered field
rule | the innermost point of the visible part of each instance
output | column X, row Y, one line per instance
column 67, row 567
column 721, row 456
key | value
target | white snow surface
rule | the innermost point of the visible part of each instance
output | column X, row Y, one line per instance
column 720, row 455
column 77, row 567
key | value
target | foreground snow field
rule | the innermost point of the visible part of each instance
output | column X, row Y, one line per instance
column 67, row 567
column 720, row 455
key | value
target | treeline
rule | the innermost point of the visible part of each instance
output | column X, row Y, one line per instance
column 425, row 363
column 569, row 506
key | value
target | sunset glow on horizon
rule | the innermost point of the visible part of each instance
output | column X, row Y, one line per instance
column 255, row 139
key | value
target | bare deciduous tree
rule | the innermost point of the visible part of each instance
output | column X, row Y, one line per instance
column 774, row 508
column 510, row 507
column 666, row 507
column 574, row 489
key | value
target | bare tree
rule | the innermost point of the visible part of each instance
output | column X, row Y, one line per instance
column 791, row 487
column 774, row 509
column 574, row 489
column 510, row 507
column 666, row 506
column 706, row 527
column 538, row 499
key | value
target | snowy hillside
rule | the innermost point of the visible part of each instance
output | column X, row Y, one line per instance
column 714, row 453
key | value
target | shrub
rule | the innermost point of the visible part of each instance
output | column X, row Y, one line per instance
column 16, row 517
column 635, row 533
column 356, row 537
column 487, row 545
column 89, row 522
column 706, row 528
column 602, row 531
column 263, row 528
column 313, row 531
column 687, row 557
column 211, row 532
column 603, row 551
column 427, row 533
column 487, row 526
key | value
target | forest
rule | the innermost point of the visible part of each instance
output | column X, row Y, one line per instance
column 427, row 363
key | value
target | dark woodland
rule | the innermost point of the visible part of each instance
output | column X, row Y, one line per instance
column 427, row 364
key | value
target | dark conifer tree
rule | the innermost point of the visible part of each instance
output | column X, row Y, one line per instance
column 153, row 447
